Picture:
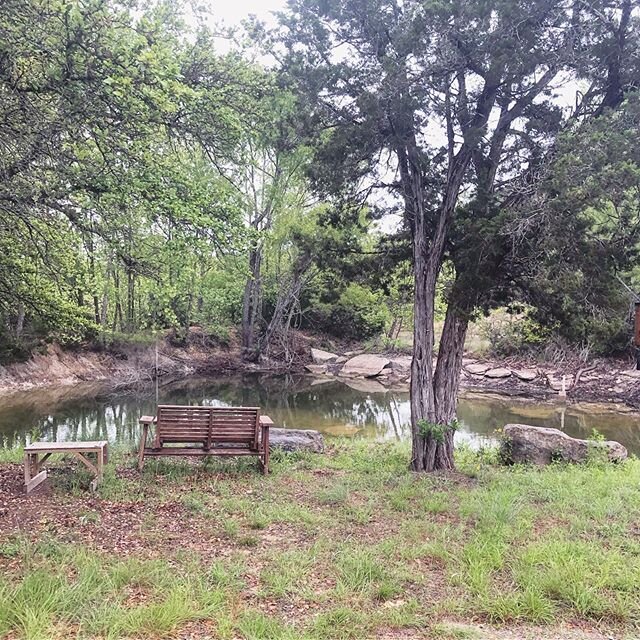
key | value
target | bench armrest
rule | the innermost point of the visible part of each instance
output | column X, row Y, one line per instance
column 148, row 419
column 265, row 423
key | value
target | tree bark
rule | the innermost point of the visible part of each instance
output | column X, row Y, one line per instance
column 20, row 320
column 425, row 453
column 130, row 300
column 251, row 304
column 447, row 375
column 432, row 438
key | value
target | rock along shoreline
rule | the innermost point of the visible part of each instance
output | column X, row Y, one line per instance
column 601, row 381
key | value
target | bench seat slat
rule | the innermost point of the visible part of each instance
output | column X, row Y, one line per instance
column 193, row 451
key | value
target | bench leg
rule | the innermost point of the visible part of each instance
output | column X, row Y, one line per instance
column 27, row 469
column 100, row 465
column 264, row 459
column 33, row 476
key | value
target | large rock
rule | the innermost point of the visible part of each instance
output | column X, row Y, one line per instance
column 296, row 440
column 400, row 364
column 526, row 375
column 322, row 357
column 364, row 366
column 498, row 372
column 477, row 369
column 541, row 445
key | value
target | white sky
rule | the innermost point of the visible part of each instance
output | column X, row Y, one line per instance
column 233, row 11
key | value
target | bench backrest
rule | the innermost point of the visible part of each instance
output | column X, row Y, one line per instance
column 209, row 426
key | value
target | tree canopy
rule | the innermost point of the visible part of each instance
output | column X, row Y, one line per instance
column 152, row 182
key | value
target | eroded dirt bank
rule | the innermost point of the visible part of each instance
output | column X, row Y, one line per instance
column 119, row 366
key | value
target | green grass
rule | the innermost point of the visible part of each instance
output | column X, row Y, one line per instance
column 344, row 545
column 63, row 585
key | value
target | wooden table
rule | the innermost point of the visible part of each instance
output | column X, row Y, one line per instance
column 34, row 474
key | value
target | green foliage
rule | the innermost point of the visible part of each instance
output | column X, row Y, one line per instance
column 436, row 431
column 512, row 330
column 590, row 234
column 358, row 313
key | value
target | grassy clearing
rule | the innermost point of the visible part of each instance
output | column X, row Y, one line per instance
column 346, row 545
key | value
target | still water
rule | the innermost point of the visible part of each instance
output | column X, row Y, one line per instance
column 362, row 409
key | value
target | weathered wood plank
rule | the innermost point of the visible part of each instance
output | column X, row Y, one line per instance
column 58, row 447
column 36, row 480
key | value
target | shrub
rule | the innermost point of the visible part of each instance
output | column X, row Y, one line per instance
column 359, row 313
column 512, row 330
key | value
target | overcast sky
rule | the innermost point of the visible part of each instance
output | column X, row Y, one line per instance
column 233, row 11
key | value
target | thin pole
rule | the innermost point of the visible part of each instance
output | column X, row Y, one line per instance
column 157, row 391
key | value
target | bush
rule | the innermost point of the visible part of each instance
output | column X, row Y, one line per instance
column 359, row 313
column 511, row 330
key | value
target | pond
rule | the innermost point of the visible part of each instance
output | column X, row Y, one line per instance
column 361, row 408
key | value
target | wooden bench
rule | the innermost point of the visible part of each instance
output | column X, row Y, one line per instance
column 206, row 431
column 34, row 474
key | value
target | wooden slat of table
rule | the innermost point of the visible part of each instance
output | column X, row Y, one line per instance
column 87, row 446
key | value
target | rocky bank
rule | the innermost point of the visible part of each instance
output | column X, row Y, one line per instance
column 605, row 380
column 601, row 380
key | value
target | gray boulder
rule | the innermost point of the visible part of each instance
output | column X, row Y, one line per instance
column 542, row 445
column 498, row 372
column 400, row 364
column 316, row 369
column 526, row 375
column 296, row 440
column 477, row 368
column 365, row 366
column 322, row 357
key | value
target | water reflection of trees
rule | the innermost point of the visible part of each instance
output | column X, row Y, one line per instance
column 292, row 401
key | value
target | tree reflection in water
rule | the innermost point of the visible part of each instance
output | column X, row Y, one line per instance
column 364, row 409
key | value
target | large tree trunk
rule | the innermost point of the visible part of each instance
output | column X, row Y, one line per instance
column 427, row 455
column 251, row 303
column 432, row 432
column 450, row 353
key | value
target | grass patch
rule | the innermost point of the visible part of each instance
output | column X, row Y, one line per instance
column 346, row 545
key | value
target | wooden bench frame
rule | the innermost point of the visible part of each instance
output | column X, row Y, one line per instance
column 220, row 431
column 34, row 474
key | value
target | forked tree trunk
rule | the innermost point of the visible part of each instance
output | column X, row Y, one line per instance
column 427, row 455
column 432, row 432
column 435, row 394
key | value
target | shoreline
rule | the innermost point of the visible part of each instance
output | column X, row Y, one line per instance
column 60, row 372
